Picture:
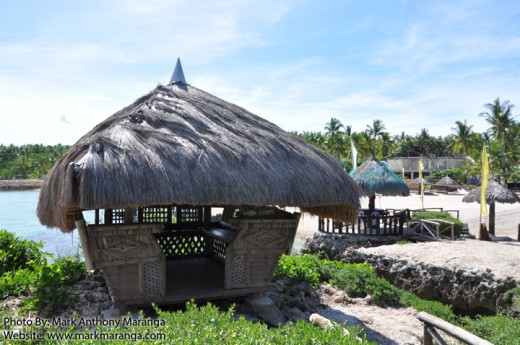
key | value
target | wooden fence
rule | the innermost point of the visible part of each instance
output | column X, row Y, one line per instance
column 389, row 222
column 433, row 324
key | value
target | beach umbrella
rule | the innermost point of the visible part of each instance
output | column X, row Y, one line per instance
column 179, row 145
column 495, row 192
column 375, row 177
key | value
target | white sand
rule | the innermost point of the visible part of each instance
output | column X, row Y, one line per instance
column 507, row 216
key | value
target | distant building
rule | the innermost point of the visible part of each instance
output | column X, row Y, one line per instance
column 409, row 166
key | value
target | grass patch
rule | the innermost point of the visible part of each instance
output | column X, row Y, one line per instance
column 403, row 242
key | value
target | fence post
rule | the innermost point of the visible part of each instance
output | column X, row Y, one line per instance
column 427, row 337
column 518, row 233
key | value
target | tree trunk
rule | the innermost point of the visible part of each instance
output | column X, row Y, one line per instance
column 492, row 218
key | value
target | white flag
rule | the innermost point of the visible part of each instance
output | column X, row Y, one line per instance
column 354, row 154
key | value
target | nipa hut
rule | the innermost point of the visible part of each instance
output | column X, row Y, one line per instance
column 153, row 172
column 446, row 184
column 375, row 177
column 495, row 192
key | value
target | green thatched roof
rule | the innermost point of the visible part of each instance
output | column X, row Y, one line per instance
column 375, row 177
column 181, row 145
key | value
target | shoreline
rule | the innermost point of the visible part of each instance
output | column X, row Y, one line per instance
column 29, row 184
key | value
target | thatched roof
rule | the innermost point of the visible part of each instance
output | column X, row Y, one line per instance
column 417, row 182
column 375, row 177
column 446, row 181
column 495, row 192
column 181, row 145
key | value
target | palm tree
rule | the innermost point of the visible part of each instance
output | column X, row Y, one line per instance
column 375, row 131
column 333, row 130
column 463, row 138
column 500, row 119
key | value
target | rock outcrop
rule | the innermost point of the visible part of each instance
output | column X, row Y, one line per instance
column 471, row 291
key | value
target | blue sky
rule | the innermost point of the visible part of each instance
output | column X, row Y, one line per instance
column 67, row 65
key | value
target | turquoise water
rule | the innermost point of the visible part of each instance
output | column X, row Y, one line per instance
column 18, row 215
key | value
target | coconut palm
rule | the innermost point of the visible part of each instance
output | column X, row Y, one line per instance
column 500, row 118
column 463, row 138
column 333, row 129
column 375, row 131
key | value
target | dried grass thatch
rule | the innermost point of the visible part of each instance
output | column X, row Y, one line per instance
column 417, row 182
column 181, row 145
column 446, row 181
column 495, row 192
column 375, row 177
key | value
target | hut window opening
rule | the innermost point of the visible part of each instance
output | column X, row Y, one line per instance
column 188, row 214
column 155, row 214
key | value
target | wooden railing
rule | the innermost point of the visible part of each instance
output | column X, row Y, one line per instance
column 432, row 324
column 390, row 223
column 435, row 228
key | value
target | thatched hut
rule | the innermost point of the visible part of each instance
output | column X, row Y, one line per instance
column 446, row 184
column 154, row 170
column 375, row 177
column 415, row 184
column 495, row 192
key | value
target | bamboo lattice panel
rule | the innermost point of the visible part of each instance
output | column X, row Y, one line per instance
column 176, row 245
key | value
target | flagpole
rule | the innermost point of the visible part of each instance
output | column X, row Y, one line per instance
column 483, row 186
column 422, row 182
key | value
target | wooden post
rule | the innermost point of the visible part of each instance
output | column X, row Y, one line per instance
column 518, row 233
column 427, row 337
column 82, row 231
column 484, row 235
column 492, row 218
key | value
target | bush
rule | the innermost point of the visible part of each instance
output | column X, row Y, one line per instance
column 457, row 224
column 434, row 308
column 495, row 329
column 511, row 302
column 357, row 280
column 18, row 254
column 299, row 269
column 52, row 290
column 25, row 271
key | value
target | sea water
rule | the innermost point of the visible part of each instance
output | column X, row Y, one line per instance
column 18, row 215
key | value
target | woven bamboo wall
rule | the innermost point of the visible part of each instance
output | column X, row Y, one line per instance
column 254, row 253
column 131, row 260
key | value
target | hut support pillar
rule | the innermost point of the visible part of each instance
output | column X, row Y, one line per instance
column 372, row 203
column 82, row 231
column 492, row 218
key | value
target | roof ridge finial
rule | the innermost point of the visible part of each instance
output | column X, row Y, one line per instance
column 178, row 74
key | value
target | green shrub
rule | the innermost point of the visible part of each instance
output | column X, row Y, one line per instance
column 434, row 308
column 25, row 271
column 495, row 329
column 52, row 285
column 511, row 301
column 17, row 254
column 357, row 280
column 299, row 269
column 457, row 224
